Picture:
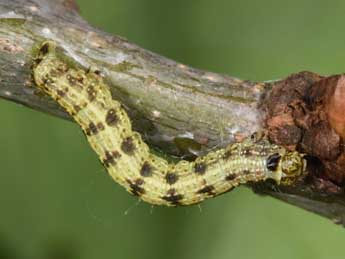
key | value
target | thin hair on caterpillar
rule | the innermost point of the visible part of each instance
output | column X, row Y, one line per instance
column 129, row 161
column 131, row 207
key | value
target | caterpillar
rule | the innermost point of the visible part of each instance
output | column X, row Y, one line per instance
column 128, row 160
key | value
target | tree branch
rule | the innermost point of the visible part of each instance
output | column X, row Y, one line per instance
column 179, row 109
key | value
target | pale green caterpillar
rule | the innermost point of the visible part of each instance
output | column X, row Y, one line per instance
column 86, row 97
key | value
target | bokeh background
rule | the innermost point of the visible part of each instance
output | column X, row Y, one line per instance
column 57, row 202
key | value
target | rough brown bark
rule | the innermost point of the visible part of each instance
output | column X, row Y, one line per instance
column 182, row 110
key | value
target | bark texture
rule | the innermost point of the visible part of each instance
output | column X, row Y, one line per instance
column 182, row 110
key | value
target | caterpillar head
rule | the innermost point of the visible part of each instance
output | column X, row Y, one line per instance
column 293, row 165
column 288, row 166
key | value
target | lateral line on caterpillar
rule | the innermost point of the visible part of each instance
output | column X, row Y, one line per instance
column 86, row 97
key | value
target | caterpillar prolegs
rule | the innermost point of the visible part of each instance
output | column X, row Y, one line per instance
column 87, row 98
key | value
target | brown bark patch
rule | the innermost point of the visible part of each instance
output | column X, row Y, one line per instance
column 285, row 100
column 306, row 112
column 335, row 107
column 8, row 46
column 72, row 5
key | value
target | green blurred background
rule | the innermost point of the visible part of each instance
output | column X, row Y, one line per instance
column 57, row 202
